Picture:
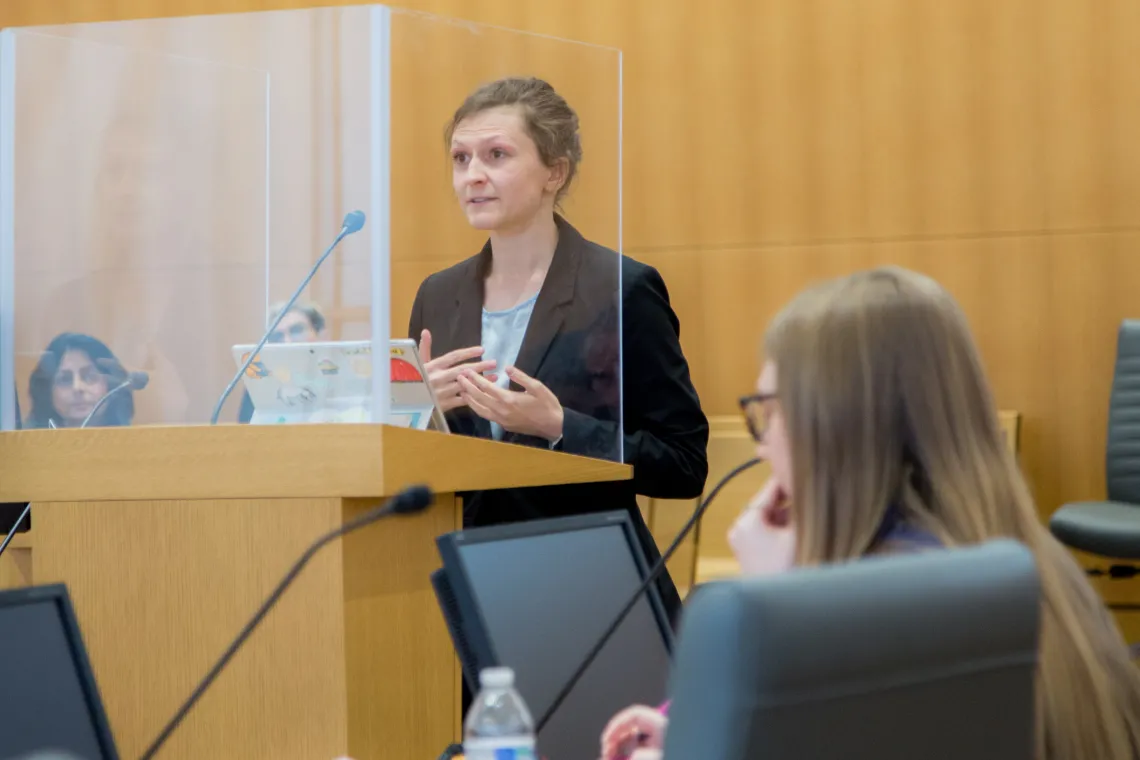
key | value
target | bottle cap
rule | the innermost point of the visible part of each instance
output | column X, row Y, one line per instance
column 497, row 678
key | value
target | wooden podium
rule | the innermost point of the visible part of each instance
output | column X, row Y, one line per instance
column 169, row 538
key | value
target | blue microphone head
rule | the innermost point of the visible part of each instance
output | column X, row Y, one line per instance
column 353, row 221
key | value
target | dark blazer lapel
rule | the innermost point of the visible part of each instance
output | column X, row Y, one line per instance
column 467, row 320
column 556, row 295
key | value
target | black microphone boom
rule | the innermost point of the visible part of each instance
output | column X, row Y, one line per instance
column 353, row 221
column 409, row 501
column 654, row 572
column 12, row 531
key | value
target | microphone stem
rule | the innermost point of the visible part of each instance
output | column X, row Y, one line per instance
column 649, row 580
column 12, row 530
column 280, row 315
column 106, row 397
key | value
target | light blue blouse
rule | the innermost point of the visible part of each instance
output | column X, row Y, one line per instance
column 503, row 333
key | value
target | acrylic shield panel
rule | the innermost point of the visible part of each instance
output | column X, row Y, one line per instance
column 166, row 183
column 436, row 64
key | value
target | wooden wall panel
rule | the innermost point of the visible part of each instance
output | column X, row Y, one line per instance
column 772, row 142
column 1043, row 308
column 434, row 66
column 180, row 171
column 16, row 563
column 1089, row 113
column 950, row 95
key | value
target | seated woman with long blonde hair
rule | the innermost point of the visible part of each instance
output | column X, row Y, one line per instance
column 882, row 434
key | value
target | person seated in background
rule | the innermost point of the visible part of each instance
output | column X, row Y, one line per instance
column 75, row 371
column 882, row 434
column 303, row 323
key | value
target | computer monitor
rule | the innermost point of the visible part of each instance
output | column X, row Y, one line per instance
column 536, row 596
column 49, row 701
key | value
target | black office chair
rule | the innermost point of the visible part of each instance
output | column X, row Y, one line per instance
column 1111, row 528
column 930, row 655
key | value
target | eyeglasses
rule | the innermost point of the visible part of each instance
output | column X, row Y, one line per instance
column 755, row 409
column 297, row 330
column 88, row 375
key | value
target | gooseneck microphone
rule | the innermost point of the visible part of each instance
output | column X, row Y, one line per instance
column 656, row 571
column 409, row 501
column 135, row 381
column 353, row 221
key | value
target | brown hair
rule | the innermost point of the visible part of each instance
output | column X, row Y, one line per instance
column 550, row 121
column 886, row 405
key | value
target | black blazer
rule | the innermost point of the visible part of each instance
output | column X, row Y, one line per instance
column 572, row 346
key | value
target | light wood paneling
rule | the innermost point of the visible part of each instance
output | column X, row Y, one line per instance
column 1129, row 623
column 394, row 633
column 790, row 120
column 1089, row 112
column 1044, row 310
column 16, row 562
column 729, row 445
column 666, row 518
column 772, row 142
column 434, row 66
column 950, row 101
column 768, row 144
column 169, row 538
column 177, row 581
column 210, row 144
column 162, row 587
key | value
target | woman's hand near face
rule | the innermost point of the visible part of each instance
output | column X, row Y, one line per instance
column 633, row 732
column 443, row 373
column 763, row 537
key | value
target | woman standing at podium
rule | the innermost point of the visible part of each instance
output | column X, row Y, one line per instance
column 520, row 341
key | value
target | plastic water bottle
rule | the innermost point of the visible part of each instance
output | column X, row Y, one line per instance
column 499, row 727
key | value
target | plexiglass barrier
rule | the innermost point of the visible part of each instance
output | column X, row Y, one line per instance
column 166, row 184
